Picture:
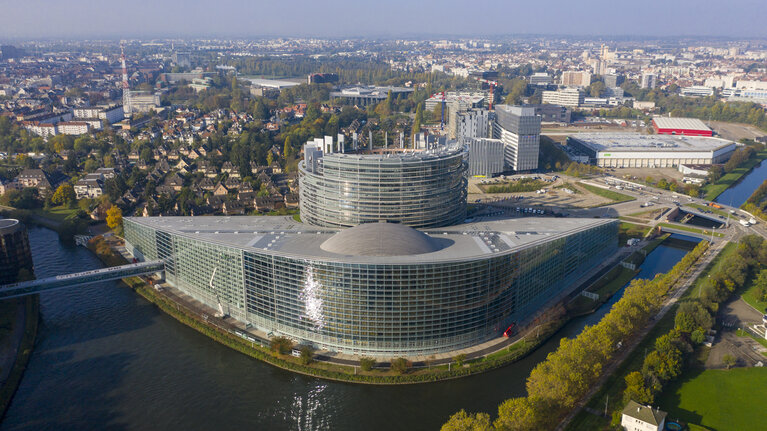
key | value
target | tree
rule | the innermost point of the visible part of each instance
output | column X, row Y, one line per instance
column 281, row 344
column 64, row 195
column 418, row 119
column 287, row 149
column 400, row 365
column 729, row 360
column 367, row 364
column 463, row 421
column 761, row 285
column 307, row 355
column 519, row 414
column 636, row 389
column 597, row 89
column 115, row 218
column 459, row 360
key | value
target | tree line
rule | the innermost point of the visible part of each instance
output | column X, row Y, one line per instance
column 566, row 375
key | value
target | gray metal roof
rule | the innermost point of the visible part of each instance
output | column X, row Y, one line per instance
column 283, row 236
column 381, row 239
column 617, row 142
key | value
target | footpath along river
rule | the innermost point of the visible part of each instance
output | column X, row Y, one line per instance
column 107, row 359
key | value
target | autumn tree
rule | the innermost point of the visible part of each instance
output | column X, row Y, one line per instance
column 463, row 421
column 115, row 219
column 64, row 195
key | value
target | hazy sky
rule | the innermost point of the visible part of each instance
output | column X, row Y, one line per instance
column 332, row 18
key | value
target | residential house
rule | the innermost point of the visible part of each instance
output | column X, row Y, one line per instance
column 638, row 417
column 220, row 190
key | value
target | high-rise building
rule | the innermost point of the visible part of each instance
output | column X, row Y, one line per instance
column 649, row 80
column 567, row 97
column 520, row 130
column 575, row 78
column 15, row 254
column 474, row 123
column 613, row 81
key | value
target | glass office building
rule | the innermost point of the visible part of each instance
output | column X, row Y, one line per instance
column 416, row 188
column 379, row 289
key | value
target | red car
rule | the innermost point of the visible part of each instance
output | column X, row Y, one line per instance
column 509, row 330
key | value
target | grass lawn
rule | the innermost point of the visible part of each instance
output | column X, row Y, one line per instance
column 691, row 229
column 722, row 400
column 727, row 180
column 704, row 208
column 57, row 214
column 750, row 296
column 630, row 230
column 609, row 194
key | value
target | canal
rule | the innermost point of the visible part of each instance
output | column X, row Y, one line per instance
column 738, row 193
column 106, row 358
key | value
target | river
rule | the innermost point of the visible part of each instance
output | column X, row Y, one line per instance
column 105, row 358
column 739, row 192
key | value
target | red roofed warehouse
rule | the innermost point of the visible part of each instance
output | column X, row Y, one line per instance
column 680, row 126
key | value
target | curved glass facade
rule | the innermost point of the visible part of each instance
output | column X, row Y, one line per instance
column 383, row 309
column 423, row 189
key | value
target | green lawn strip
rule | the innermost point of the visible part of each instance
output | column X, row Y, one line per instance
column 58, row 214
column 744, row 333
column 690, row 229
column 725, row 400
column 631, row 230
column 730, row 178
column 605, row 193
column 614, row 386
column 750, row 295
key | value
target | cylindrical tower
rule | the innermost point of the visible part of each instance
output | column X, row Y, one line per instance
column 15, row 253
column 419, row 189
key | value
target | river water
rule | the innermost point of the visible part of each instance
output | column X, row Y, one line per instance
column 107, row 359
column 737, row 194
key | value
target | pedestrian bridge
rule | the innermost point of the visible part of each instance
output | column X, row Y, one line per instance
column 80, row 279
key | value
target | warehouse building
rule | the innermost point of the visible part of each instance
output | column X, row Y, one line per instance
column 634, row 150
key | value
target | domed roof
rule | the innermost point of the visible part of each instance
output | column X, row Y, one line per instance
column 380, row 239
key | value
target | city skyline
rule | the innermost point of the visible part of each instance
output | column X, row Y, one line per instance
column 86, row 18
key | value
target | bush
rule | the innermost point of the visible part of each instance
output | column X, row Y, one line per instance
column 400, row 365
column 367, row 364
column 459, row 360
column 307, row 355
column 281, row 344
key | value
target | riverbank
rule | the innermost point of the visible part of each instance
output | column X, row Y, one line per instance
column 712, row 191
column 63, row 221
column 613, row 280
column 28, row 315
column 427, row 371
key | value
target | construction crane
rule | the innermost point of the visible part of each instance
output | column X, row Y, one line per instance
column 492, row 85
column 443, row 100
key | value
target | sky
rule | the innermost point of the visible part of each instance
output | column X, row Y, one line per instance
column 30, row 19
